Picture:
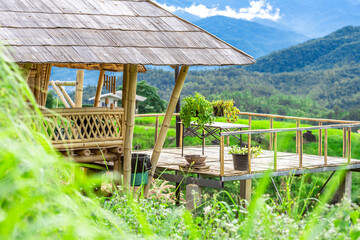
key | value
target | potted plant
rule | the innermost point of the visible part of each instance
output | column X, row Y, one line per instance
column 225, row 108
column 196, row 109
column 240, row 156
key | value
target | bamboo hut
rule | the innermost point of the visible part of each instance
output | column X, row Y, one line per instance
column 107, row 35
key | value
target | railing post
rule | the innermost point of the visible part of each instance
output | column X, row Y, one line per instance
column 301, row 150
column 320, row 140
column 271, row 136
column 156, row 128
column 181, row 135
column 222, row 157
column 326, row 147
column 249, row 146
column 349, row 146
column 297, row 136
column 344, row 142
column 275, row 151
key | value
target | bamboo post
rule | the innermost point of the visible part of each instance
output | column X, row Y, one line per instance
column 297, row 136
column 37, row 87
column 106, row 102
column 271, row 136
column 249, row 152
column 301, row 149
column 156, row 128
column 47, row 82
column 344, row 142
column 99, row 87
column 181, row 135
column 129, row 129
column 79, row 88
column 165, row 125
column 125, row 89
column 349, row 146
column 275, row 151
column 320, row 140
column 222, row 157
column 249, row 146
column 58, row 92
column 68, row 99
column 326, row 147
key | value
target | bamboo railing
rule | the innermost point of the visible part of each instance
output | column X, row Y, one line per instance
column 321, row 127
column 81, row 128
column 299, row 131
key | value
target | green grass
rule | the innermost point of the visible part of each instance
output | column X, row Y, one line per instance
column 43, row 196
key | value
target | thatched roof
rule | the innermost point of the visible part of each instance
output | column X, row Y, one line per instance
column 108, row 31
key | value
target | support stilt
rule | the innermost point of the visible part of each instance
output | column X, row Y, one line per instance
column 129, row 130
column 165, row 125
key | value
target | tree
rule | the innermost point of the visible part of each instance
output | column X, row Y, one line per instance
column 153, row 102
column 50, row 99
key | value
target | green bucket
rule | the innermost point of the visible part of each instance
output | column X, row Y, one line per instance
column 138, row 179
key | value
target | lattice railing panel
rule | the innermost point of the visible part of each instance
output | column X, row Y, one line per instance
column 77, row 125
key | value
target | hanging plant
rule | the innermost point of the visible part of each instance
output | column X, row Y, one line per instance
column 225, row 108
column 196, row 109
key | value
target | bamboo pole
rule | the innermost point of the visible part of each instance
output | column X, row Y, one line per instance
column 275, row 151
column 156, row 128
column 99, row 87
column 271, row 136
column 326, row 147
column 349, row 146
column 125, row 89
column 47, row 82
column 301, row 150
column 165, row 125
column 58, row 92
column 181, row 135
column 130, row 113
column 344, row 142
column 64, row 83
column 249, row 152
column 68, row 99
column 320, row 140
column 297, row 136
column 249, row 146
column 37, row 86
column 222, row 157
column 79, row 88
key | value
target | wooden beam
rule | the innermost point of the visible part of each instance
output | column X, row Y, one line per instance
column 99, row 87
column 129, row 129
column 58, row 92
column 68, row 99
column 37, row 85
column 166, row 123
column 79, row 88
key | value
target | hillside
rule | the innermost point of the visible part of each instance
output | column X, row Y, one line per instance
column 251, row 37
column 337, row 49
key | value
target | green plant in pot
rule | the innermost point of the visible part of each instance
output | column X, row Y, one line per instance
column 225, row 108
column 240, row 156
column 196, row 109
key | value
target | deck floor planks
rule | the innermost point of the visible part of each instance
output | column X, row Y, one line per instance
column 170, row 159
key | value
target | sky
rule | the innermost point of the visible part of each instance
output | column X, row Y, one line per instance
column 259, row 9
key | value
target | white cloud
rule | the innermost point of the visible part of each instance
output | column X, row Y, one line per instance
column 257, row 9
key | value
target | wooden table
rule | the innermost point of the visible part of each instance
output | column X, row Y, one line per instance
column 213, row 129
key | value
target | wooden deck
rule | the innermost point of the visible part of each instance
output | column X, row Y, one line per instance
column 170, row 159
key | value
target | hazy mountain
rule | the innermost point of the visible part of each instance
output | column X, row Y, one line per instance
column 253, row 38
column 334, row 50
